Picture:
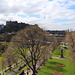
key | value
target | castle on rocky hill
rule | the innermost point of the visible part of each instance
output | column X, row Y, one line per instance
column 15, row 23
column 14, row 26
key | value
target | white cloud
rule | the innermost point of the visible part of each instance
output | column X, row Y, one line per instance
column 60, row 26
column 54, row 9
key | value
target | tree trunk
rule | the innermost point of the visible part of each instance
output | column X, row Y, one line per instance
column 34, row 71
column 61, row 53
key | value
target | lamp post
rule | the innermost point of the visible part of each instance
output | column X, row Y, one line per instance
column 63, row 47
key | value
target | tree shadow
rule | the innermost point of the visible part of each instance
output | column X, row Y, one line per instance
column 52, row 62
column 44, row 72
column 59, row 69
column 55, row 68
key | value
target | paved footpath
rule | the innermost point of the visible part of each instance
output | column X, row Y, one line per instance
column 61, row 58
column 13, row 72
column 8, row 67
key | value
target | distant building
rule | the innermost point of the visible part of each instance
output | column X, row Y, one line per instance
column 13, row 26
column 60, row 35
column 57, row 33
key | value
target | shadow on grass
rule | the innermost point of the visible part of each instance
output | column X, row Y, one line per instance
column 52, row 66
column 43, row 72
column 56, row 68
column 52, row 62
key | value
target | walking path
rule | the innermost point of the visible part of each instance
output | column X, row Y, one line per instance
column 13, row 72
column 61, row 58
column 11, row 66
column 7, row 69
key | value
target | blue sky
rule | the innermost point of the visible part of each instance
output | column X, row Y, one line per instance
column 62, row 20
column 72, row 7
column 48, row 14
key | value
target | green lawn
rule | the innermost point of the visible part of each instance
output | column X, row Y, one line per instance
column 68, row 69
column 57, row 52
column 50, row 67
column 1, row 61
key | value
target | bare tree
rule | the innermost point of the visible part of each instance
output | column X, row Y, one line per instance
column 70, row 39
column 30, row 44
column 53, row 46
column 3, row 47
column 9, row 58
